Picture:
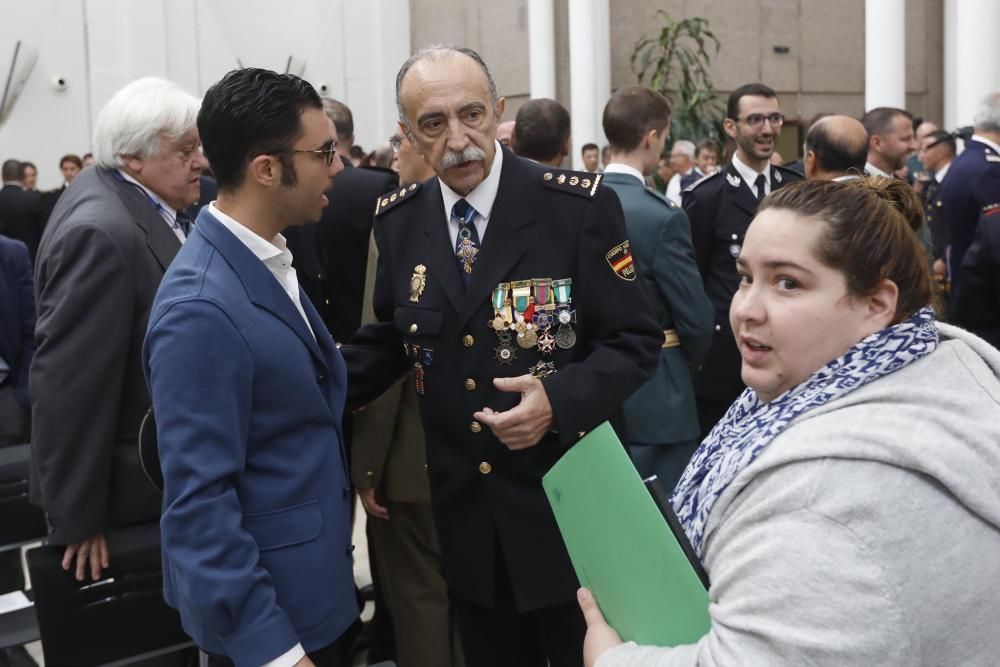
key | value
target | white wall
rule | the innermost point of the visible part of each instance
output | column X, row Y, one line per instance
column 97, row 46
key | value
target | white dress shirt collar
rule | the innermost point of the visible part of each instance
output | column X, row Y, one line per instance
column 482, row 197
column 619, row 168
column 750, row 175
column 872, row 170
column 983, row 140
column 942, row 172
column 166, row 211
column 274, row 254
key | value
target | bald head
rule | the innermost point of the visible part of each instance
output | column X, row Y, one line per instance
column 836, row 146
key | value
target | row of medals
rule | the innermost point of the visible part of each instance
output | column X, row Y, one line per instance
column 525, row 312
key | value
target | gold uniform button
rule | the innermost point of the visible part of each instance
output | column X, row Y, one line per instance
column 485, row 468
column 413, row 328
column 475, row 427
column 470, row 384
column 468, row 340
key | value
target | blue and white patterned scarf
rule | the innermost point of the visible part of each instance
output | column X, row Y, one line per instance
column 750, row 424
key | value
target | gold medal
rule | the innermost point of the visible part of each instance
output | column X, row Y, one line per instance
column 527, row 339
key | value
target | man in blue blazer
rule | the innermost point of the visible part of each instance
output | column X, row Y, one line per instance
column 661, row 417
column 248, row 391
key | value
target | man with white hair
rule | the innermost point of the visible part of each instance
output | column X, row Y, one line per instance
column 973, row 184
column 104, row 251
column 682, row 162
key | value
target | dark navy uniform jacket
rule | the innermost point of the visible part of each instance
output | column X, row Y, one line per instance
column 972, row 183
column 545, row 223
column 721, row 207
column 977, row 306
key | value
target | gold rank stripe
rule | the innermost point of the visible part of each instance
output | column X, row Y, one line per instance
column 597, row 179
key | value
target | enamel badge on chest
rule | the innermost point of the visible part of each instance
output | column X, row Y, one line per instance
column 418, row 281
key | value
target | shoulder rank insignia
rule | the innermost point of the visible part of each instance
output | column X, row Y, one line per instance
column 395, row 197
column 582, row 183
column 701, row 180
column 620, row 260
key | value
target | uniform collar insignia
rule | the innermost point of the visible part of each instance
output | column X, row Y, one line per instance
column 777, row 175
column 733, row 179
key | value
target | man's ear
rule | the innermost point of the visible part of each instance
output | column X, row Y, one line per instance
column 500, row 106
column 882, row 304
column 133, row 163
column 729, row 125
column 265, row 170
column 809, row 164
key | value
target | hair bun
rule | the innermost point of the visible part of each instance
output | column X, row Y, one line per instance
column 897, row 193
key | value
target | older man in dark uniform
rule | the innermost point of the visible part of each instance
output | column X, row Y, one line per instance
column 721, row 207
column 513, row 288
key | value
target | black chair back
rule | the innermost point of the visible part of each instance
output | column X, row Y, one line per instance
column 120, row 617
column 20, row 521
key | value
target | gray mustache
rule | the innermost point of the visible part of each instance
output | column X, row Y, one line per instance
column 455, row 158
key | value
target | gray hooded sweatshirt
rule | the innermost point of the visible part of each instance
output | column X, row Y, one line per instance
column 866, row 533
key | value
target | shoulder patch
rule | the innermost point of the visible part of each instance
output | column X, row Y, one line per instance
column 703, row 179
column 395, row 197
column 580, row 183
column 992, row 209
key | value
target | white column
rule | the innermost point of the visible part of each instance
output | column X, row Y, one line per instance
column 589, row 71
column 971, row 57
column 885, row 54
column 542, row 48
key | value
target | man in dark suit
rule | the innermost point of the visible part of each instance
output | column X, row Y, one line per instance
column 20, row 209
column 111, row 236
column 17, row 340
column 335, row 265
column 389, row 470
column 542, row 132
column 973, row 183
column 248, row 390
column 937, row 151
column 661, row 418
column 720, row 208
column 977, row 307
column 513, row 288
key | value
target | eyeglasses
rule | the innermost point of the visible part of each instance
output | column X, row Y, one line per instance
column 329, row 152
column 757, row 119
column 395, row 141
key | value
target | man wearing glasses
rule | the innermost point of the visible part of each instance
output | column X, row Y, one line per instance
column 721, row 207
column 248, row 391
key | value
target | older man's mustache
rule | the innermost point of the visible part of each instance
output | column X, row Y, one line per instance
column 455, row 158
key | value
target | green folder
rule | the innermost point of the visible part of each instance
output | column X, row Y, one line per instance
column 622, row 547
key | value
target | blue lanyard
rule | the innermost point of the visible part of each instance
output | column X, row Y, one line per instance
column 157, row 206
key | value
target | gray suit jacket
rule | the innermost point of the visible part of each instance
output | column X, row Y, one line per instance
column 100, row 261
column 663, row 410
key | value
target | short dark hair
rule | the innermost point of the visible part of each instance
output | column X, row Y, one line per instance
column 11, row 170
column 708, row 144
column 342, row 118
column 747, row 90
column 833, row 153
column 251, row 112
column 878, row 120
column 588, row 147
column 632, row 112
column 541, row 129
column 357, row 152
column 943, row 138
column 71, row 158
column 27, row 165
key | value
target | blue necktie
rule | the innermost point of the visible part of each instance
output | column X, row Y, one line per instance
column 467, row 241
column 184, row 222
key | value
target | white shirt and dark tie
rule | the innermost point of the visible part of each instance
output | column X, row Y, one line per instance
column 754, row 179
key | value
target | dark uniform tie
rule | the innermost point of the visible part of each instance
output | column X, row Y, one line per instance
column 467, row 241
column 184, row 222
column 760, row 183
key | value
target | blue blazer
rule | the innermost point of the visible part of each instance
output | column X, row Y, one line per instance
column 663, row 410
column 256, row 505
column 17, row 315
